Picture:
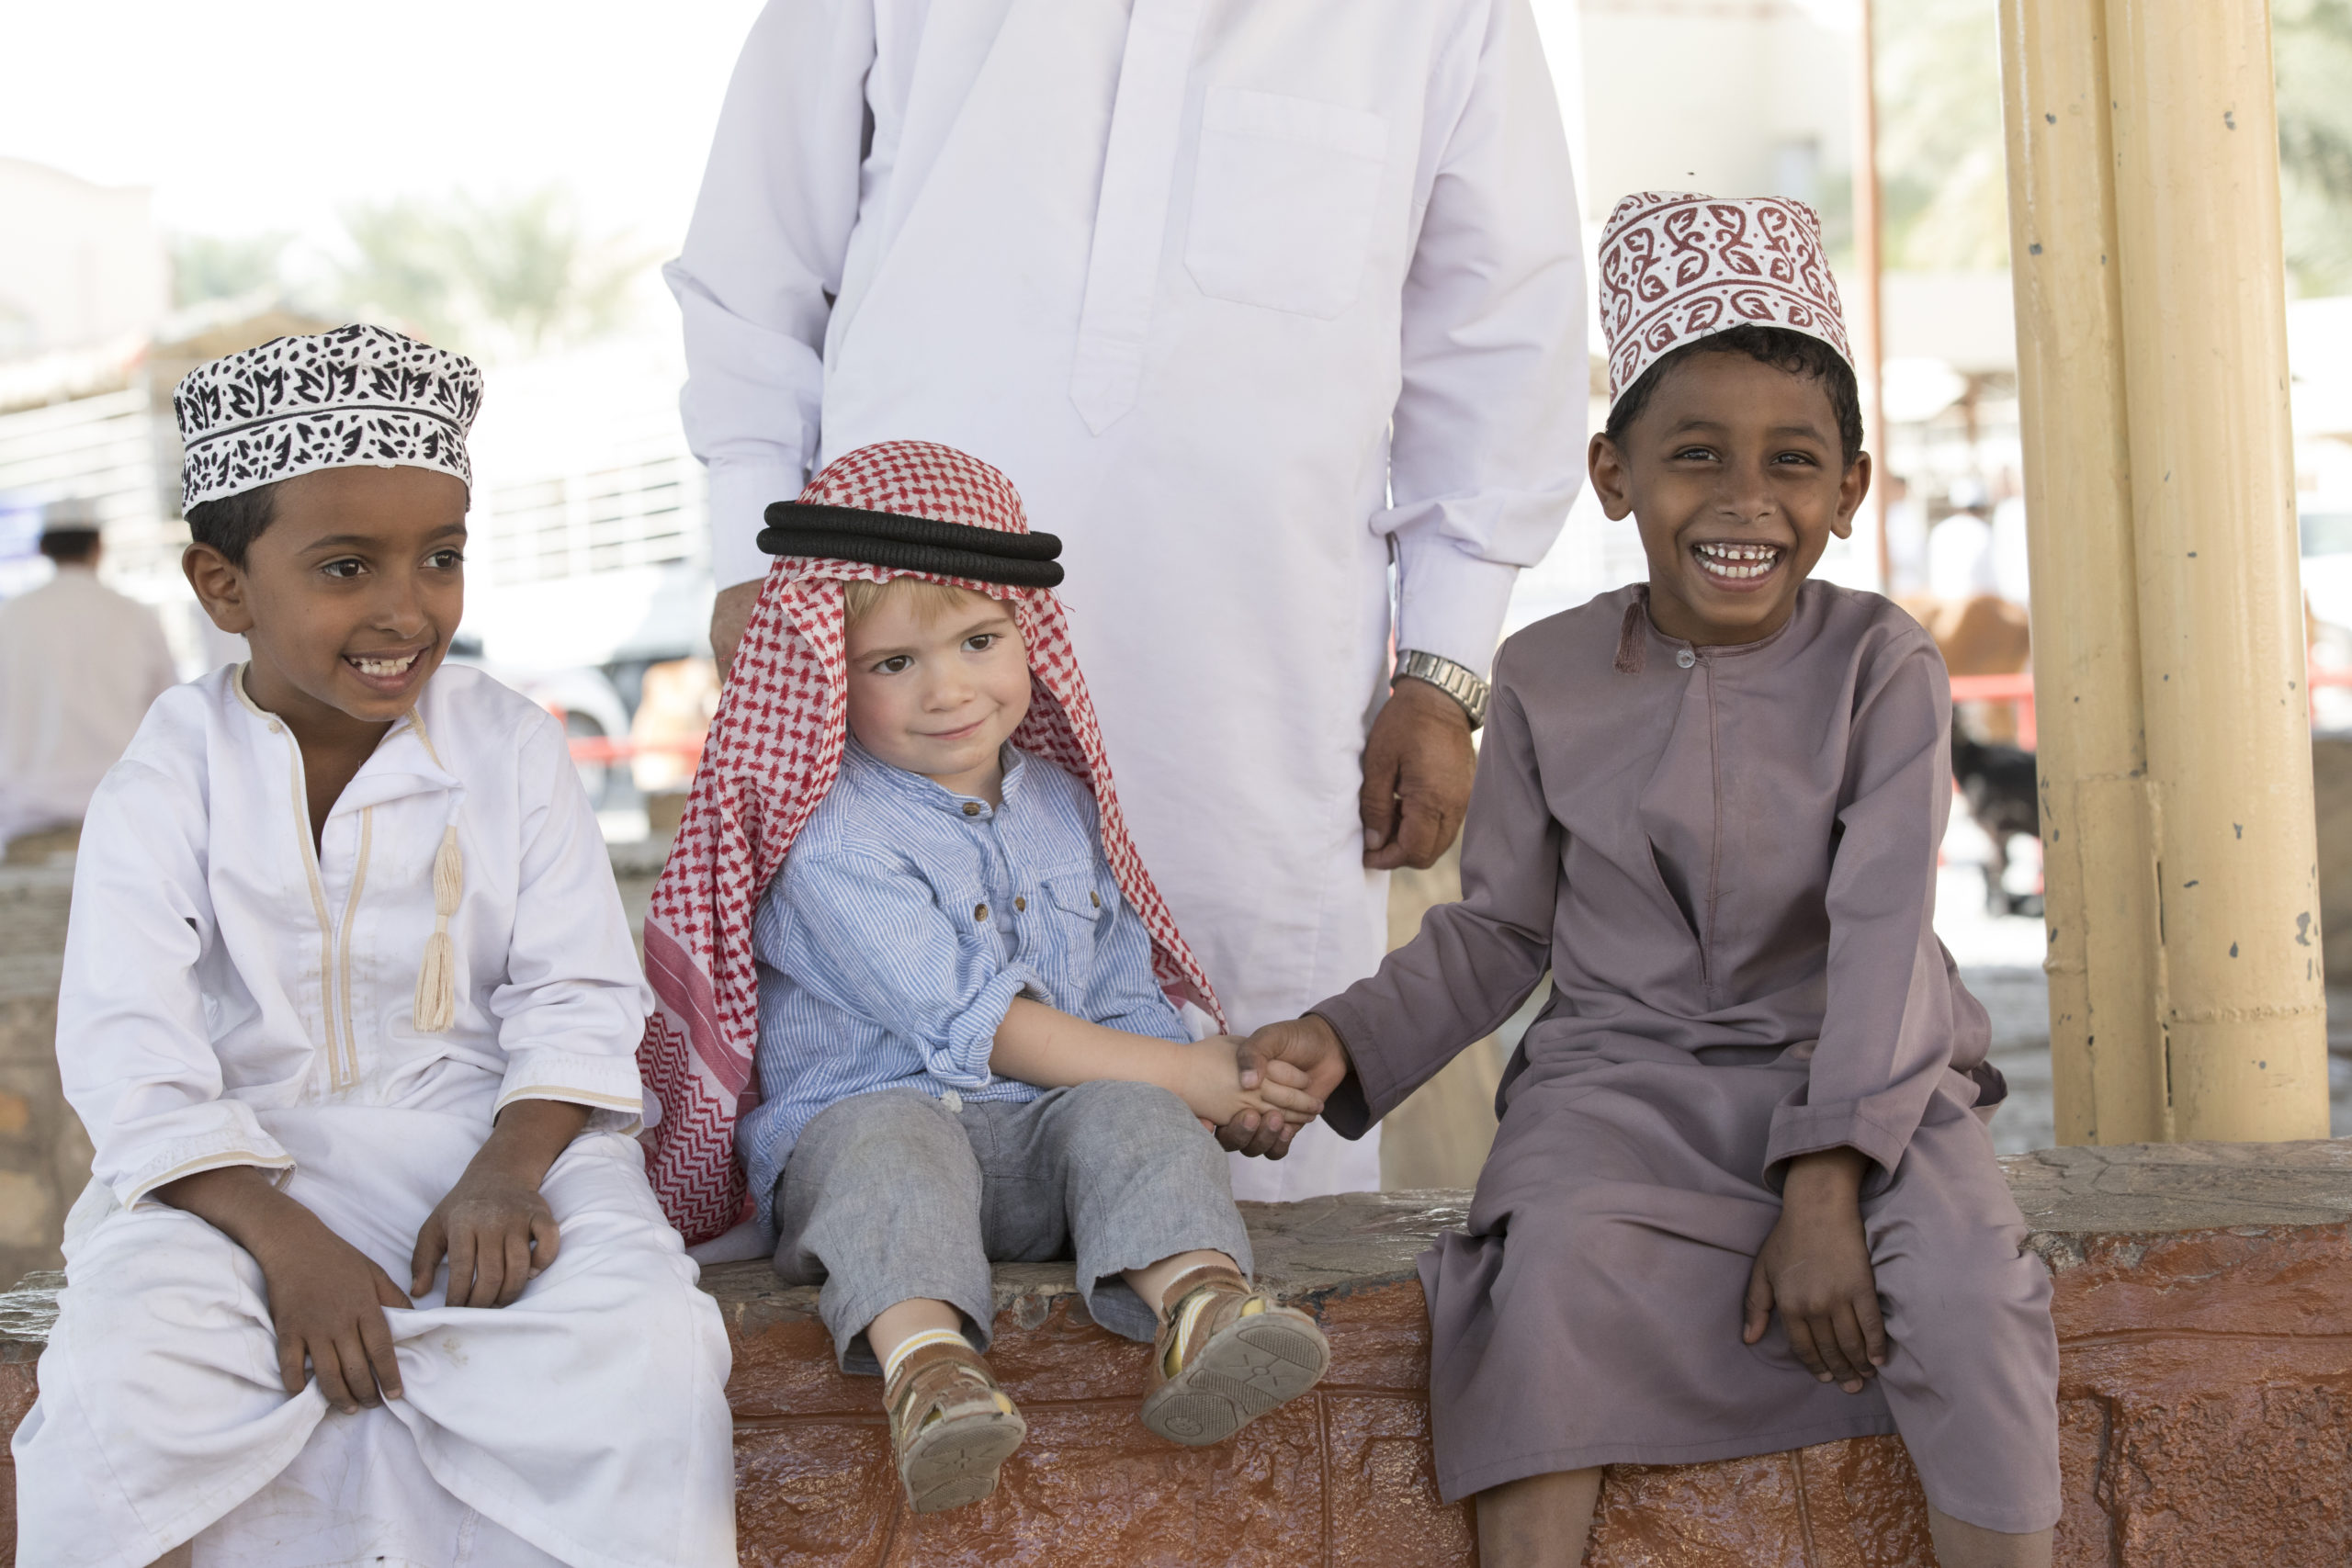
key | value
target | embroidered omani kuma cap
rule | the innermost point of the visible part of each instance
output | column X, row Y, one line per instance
column 1677, row 268
column 359, row 396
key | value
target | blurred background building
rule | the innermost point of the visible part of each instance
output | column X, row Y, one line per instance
column 519, row 205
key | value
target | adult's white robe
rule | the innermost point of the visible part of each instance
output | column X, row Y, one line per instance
column 231, row 997
column 79, row 663
column 1248, row 299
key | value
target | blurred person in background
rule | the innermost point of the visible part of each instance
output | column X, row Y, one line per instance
column 2012, row 573
column 1960, row 546
column 1906, row 538
column 1253, row 303
column 79, row 664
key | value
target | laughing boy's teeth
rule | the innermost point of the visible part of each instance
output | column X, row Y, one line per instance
column 384, row 666
column 1738, row 560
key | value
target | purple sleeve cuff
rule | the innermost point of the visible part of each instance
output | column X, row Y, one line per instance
column 1810, row 1129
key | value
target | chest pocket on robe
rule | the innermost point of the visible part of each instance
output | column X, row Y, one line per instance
column 1284, row 197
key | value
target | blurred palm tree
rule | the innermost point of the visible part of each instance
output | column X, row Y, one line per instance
column 1940, row 156
column 1941, row 168
column 2311, row 47
column 222, row 267
column 510, row 277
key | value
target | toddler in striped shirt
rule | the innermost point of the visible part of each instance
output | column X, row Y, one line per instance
column 964, row 1057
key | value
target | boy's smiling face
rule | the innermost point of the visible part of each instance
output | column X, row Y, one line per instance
column 1735, row 476
column 348, row 598
column 938, row 690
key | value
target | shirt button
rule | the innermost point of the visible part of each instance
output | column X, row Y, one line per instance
column 275, row 727
column 979, row 911
column 1685, row 658
column 953, row 1101
column 1097, row 897
column 972, row 808
column 1020, row 904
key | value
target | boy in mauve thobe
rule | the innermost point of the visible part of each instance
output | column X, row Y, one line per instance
column 1739, row 1202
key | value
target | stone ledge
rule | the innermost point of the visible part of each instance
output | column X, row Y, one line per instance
column 2204, row 1310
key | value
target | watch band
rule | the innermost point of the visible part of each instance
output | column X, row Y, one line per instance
column 1455, row 681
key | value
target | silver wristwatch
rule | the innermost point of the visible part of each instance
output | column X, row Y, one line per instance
column 1447, row 676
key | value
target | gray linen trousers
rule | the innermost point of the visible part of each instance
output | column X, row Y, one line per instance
column 1725, row 857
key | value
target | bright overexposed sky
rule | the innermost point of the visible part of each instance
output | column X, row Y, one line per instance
column 252, row 116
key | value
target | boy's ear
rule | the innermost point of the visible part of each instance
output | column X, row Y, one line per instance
column 220, row 588
column 1852, row 486
column 1607, row 467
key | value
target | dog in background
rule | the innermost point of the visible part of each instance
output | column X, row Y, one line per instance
column 1996, row 780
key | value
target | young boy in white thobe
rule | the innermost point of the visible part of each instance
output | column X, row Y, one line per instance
column 369, row 1272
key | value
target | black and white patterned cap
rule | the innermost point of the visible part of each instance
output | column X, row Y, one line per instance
column 359, row 396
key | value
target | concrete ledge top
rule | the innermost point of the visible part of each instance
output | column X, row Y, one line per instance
column 2154, row 1189
column 1326, row 1247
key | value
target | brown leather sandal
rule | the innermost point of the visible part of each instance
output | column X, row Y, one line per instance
column 1246, row 1353
column 951, row 1426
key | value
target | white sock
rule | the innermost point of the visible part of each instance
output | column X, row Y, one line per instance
column 915, row 1342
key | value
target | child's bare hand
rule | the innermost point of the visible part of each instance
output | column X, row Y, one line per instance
column 1213, row 1087
column 497, row 1232
column 326, row 1297
column 327, row 1302
column 1815, row 1269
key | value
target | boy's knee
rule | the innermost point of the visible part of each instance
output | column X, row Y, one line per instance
column 883, row 1127
column 1144, row 1112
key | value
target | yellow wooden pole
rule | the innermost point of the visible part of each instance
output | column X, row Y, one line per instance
column 2186, row 988
column 2099, row 859
column 2221, row 651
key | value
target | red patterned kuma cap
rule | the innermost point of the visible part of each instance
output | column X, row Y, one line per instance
column 1677, row 268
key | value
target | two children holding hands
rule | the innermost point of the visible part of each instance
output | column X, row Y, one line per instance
column 912, row 1011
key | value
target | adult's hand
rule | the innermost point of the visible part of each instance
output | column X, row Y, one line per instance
column 1304, row 1054
column 730, row 614
column 1417, row 765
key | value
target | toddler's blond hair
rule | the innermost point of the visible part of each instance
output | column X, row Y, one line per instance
column 861, row 597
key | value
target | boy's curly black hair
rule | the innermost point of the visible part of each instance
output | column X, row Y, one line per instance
column 230, row 523
column 1796, row 352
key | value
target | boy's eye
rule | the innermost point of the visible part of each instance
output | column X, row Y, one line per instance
column 1805, row 457
column 980, row 642
column 446, row 560
column 1693, row 454
column 897, row 663
column 348, row 566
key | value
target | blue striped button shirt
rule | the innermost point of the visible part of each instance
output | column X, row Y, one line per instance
column 904, row 922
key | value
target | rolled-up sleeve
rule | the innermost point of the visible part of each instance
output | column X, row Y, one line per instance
column 762, row 261
column 1887, row 1031
column 573, row 1008
column 134, row 1050
column 1487, row 450
column 869, row 936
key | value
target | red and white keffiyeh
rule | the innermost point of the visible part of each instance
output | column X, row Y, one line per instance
column 1675, row 267
column 774, row 748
